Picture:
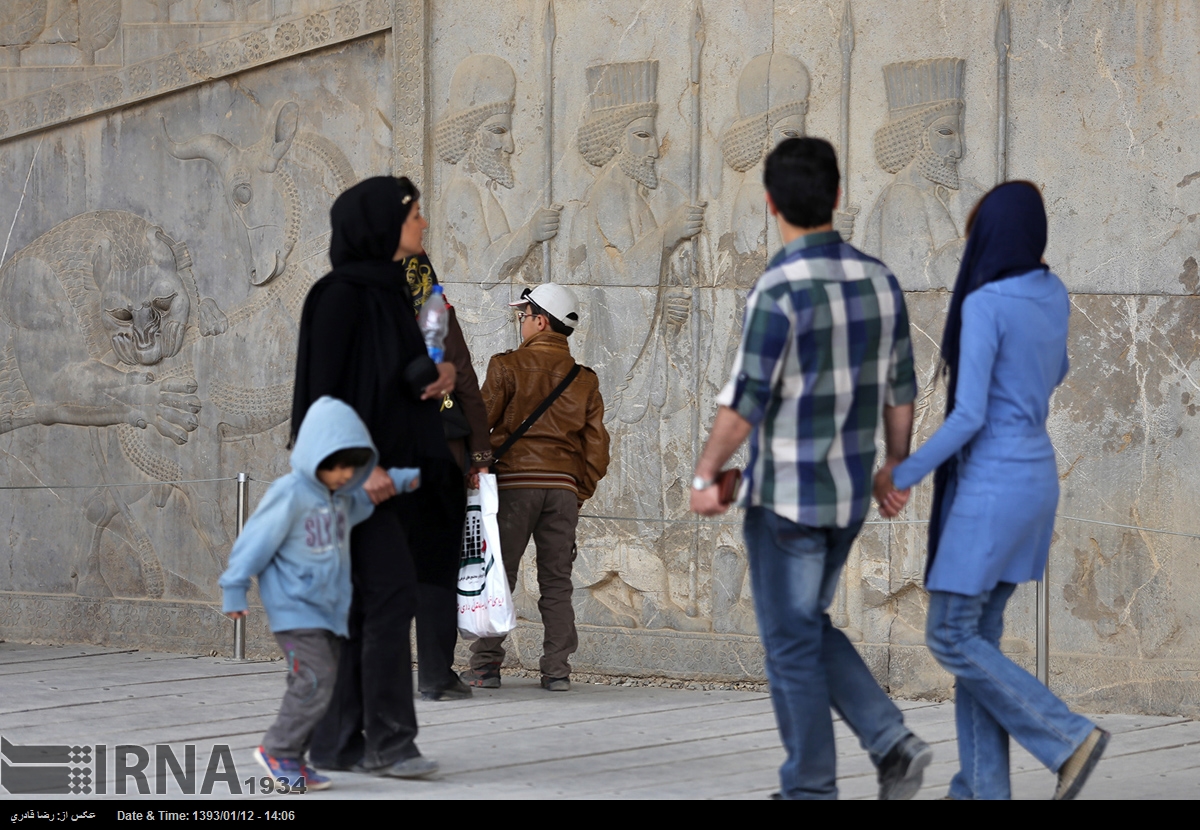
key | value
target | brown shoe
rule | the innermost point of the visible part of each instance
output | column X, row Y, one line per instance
column 1073, row 774
column 484, row 677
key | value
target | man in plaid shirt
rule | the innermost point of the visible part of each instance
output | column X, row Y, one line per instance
column 825, row 352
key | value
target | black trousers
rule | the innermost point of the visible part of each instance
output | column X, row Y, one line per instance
column 434, row 517
column 371, row 719
column 437, row 634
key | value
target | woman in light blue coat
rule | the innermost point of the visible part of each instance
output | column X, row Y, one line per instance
column 995, row 494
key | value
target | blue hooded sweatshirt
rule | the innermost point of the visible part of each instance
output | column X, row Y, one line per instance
column 298, row 541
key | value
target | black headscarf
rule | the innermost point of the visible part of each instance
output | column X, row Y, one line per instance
column 358, row 330
column 1006, row 237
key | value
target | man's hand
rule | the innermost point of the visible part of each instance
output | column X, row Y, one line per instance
column 891, row 501
column 707, row 502
column 237, row 615
column 729, row 430
column 544, row 224
column 379, row 486
column 473, row 476
column 444, row 385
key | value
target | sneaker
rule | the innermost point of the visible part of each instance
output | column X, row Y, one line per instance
column 291, row 770
column 313, row 780
column 556, row 684
column 903, row 769
column 416, row 767
column 458, row 690
column 1073, row 774
column 485, row 677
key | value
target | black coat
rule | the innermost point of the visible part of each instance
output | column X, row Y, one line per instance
column 358, row 333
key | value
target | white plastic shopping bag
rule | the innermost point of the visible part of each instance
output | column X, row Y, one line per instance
column 485, row 606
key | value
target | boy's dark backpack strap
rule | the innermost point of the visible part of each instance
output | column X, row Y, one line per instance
column 537, row 413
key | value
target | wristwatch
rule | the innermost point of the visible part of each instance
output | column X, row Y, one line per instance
column 699, row 483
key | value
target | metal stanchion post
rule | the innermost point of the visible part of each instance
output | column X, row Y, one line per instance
column 239, row 625
column 1043, row 627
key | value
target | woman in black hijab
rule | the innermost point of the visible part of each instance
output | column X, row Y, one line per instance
column 358, row 337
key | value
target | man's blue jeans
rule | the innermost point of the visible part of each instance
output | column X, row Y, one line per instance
column 993, row 696
column 811, row 665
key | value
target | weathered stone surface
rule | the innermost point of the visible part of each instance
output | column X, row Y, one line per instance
column 167, row 170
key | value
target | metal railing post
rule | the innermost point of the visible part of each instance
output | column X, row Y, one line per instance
column 239, row 625
column 1043, row 627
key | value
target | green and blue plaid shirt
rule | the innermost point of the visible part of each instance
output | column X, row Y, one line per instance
column 825, row 345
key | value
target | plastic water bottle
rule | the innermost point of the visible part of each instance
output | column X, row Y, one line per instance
column 434, row 321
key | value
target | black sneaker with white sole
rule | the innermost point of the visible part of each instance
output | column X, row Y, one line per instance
column 903, row 769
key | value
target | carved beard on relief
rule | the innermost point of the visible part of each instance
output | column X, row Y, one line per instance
column 494, row 164
column 639, row 168
column 938, row 169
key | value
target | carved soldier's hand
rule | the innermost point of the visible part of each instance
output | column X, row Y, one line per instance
column 212, row 319
column 544, row 224
column 685, row 222
column 678, row 306
column 843, row 221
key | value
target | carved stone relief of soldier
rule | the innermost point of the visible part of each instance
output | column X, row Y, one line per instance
column 917, row 224
column 476, row 138
column 623, row 239
column 772, row 101
column 81, row 26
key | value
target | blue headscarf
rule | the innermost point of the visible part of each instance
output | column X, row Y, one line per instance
column 1006, row 237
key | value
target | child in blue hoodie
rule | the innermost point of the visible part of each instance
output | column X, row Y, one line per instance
column 298, row 545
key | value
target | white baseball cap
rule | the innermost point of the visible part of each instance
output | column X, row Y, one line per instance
column 556, row 300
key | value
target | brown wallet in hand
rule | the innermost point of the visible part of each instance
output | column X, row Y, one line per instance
column 727, row 482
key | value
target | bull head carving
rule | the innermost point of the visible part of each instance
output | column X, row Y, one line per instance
column 249, row 179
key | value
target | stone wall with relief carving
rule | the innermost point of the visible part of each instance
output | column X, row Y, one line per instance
column 167, row 203
column 616, row 146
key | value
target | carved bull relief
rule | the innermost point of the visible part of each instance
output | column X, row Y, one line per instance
column 261, row 192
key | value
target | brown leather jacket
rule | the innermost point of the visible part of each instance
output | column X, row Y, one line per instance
column 570, row 436
column 475, row 450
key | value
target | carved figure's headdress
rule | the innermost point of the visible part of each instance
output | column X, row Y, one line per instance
column 918, row 92
column 771, row 87
column 619, row 93
column 482, row 86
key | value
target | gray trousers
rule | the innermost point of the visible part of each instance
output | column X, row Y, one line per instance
column 312, row 658
column 550, row 517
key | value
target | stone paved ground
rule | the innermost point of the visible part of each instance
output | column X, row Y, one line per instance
column 519, row 741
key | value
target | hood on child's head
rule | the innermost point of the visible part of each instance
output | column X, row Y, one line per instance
column 331, row 425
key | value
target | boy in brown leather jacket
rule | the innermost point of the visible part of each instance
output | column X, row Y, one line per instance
column 546, row 474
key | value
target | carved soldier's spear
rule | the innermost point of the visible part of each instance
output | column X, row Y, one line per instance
column 1003, row 41
column 694, row 194
column 846, row 41
column 548, row 36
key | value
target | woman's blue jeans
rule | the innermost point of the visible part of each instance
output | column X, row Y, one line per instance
column 993, row 696
column 811, row 665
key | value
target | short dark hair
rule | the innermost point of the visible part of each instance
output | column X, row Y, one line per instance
column 801, row 174
column 349, row 457
column 556, row 325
